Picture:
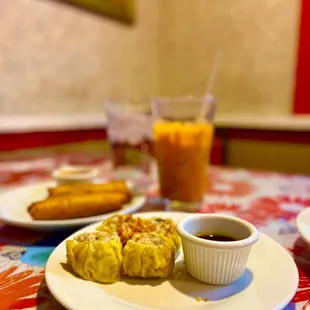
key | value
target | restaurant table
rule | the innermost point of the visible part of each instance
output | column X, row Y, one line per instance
column 269, row 200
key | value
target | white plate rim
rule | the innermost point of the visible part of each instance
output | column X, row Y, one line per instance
column 125, row 306
column 133, row 206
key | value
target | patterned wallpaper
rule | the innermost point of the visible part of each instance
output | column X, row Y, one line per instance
column 58, row 59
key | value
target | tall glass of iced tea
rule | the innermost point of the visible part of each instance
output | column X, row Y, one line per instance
column 183, row 133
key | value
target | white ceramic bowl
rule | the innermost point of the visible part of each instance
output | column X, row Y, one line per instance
column 75, row 175
column 216, row 262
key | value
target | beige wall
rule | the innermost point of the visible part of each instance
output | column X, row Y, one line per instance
column 258, row 40
column 55, row 59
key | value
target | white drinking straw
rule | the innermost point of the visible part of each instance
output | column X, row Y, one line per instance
column 214, row 71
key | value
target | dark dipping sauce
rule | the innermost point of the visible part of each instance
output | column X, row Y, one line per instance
column 216, row 237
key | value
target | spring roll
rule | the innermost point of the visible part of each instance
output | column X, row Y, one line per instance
column 75, row 206
column 111, row 187
column 96, row 256
column 148, row 255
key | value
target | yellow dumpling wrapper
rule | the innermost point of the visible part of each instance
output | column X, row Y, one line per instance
column 96, row 256
column 148, row 255
column 127, row 226
column 167, row 228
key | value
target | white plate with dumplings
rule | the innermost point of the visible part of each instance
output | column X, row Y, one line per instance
column 269, row 282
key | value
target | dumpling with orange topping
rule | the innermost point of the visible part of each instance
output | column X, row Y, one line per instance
column 124, row 225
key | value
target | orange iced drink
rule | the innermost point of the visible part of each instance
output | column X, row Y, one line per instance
column 182, row 151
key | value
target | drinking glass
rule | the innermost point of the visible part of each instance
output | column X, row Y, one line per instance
column 129, row 129
column 183, row 133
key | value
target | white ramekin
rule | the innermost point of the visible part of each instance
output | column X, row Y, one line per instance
column 75, row 175
column 215, row 262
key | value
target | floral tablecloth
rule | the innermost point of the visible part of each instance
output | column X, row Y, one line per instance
column 271, row 201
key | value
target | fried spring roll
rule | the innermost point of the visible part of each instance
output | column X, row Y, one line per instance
column 111, row 187
column 75, row 206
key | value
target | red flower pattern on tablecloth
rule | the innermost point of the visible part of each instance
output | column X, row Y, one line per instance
column 214, row 176
column 218, row 207
column 36, row 169
column 20, row 287
column 231, row 188
column 13, row 178
column 305, row 202
column 301, row 255
column 264, row 209
column 266, row 174
column 15, row 287
column 303, row 291
column 43, row 297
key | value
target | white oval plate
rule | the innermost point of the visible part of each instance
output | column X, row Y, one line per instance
column 14, row 209
column 303, row 224
column 269, row 282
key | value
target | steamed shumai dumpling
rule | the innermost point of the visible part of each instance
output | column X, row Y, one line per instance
column 166, row 227
column 148, row 255
column 125, row 225
column 96, row 256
